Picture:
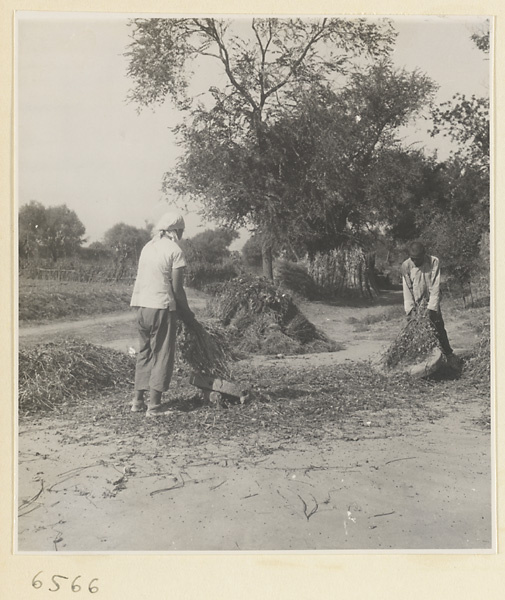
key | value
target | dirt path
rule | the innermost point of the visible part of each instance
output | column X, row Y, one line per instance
column 361, row 331
column 424, row 485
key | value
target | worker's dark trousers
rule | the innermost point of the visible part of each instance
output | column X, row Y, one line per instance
column 155, row 360
column 438, row 321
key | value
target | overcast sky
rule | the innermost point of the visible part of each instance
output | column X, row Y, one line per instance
column 79, row 143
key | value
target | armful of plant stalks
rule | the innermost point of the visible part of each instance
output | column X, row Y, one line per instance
column 183, row 310
column 419, row 309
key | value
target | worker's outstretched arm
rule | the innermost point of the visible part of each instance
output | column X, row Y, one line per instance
column 180, row 295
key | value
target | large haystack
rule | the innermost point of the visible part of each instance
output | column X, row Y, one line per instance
column 263, row 319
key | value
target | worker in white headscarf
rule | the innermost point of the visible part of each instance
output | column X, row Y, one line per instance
column 159, row 295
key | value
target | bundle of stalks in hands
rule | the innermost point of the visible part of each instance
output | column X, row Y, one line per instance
column 416, row 340
column 204, row 349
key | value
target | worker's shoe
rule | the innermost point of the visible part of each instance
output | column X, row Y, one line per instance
column 158, row 411
column 453, row 362
column 138, row 404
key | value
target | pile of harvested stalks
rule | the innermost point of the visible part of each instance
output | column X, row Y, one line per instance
column 262, row 318
column 56, row 372
column 252, row 295
column 204, row 349
column 416, row 340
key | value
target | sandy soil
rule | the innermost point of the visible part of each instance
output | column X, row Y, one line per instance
column 392, row 485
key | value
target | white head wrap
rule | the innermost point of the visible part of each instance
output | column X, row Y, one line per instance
column 170, row 221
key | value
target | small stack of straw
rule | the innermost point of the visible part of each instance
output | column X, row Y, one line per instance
column 69, row 370
column 416, row 340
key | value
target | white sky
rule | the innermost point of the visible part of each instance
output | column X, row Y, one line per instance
column 79, row 143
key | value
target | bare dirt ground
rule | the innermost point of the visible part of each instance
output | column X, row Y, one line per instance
column 390, row 482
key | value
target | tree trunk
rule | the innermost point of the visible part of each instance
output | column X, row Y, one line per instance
column 267, row 260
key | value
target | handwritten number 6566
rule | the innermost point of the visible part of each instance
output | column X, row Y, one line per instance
column 74, row 586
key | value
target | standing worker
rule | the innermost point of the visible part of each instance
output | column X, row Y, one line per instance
column 158, row 293
column 421, row 286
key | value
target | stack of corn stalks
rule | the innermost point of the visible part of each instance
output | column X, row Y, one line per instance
column 295, row 277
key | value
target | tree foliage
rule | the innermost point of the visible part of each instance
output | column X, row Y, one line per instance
column 267, row 67
column 126, row 241
column 466, row 122
column 481, row 39
column 263, row 62
column 54, row 231
column 210, row 246
column 316, row 181
column 458, row 231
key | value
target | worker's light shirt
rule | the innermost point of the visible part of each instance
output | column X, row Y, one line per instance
column 421, row 283
column 153, row 285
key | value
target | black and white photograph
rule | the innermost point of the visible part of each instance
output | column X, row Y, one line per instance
column 254, row 307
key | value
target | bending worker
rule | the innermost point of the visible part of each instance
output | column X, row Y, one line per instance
column 421, row 285
column 159, row 293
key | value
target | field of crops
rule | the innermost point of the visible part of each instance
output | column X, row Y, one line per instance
column 41, row 300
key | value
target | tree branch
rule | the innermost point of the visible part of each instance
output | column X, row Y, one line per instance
column 225, row 59
column 262, row 68
column 315, row 38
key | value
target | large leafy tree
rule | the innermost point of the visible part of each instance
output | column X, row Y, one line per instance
column 267, row 64
column 54, row 231
column 320, row 164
